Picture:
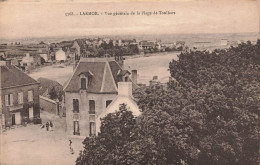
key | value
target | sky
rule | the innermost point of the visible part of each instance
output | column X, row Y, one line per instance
column 46, row 19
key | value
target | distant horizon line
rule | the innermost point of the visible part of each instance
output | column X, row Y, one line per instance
column 116, row 35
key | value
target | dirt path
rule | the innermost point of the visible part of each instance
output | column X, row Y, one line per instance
column 31, row 145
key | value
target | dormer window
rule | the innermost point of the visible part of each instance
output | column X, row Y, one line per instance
column 126, row 79
column 124, row 75
column 83, row 83
column 85, row 79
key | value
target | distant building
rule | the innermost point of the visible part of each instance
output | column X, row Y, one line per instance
column 19, row 96
column 146, row 45
column 92, row 87
column 27, row 60
column 44, row 56
column 233, row 43
column 154, row 81
column 60, row 55
column 16, row 62
column 223, row 42
column 37, row 59
column 2, row 56
column 80, row 46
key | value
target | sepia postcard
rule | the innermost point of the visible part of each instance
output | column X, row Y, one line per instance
column 129, row 82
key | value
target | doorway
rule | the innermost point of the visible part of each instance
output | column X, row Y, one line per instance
column 13, row 119
column 16, row 118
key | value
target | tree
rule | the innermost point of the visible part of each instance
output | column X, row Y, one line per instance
column 109, row 146
column 220, row 85
column 53, row 94
column 209, row 114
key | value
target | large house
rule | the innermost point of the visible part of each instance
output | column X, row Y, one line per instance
column 19, row 96
column 90, row 90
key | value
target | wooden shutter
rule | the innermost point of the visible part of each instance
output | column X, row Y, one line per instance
column 6, row 100
column 20, row 97
column 11, row 99
column 30, row 95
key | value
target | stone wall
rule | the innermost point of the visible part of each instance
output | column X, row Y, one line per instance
column 49, row 105
column 23, row 107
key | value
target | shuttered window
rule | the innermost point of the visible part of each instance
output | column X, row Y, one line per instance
column 30, row 95
column 75, row 105
column 20, row 97
column 9, row 100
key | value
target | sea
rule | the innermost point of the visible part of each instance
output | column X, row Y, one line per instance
column 190, row 39
column 147, row 67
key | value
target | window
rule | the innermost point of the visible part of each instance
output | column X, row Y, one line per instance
column 83, row 83
column 89, row 80
column 20, row 97
column 30, row 95
column 9, row 99
column 108, row 102
column 76, row 105
column 76, row 128
column 92, row 129
column 30, row 113
column 91, row 107
column 126, row 79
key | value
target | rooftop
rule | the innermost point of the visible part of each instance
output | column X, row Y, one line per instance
column 11, row 76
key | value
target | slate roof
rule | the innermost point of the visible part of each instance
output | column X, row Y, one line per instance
column 123, row 72
column 104, row 78
column 47, row 84
column 12, row 77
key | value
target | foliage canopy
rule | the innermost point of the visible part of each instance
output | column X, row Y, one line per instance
column 209, row 114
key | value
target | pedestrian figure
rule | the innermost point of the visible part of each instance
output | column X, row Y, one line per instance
column 51, row 125
column 47, row 126
column 71, row 147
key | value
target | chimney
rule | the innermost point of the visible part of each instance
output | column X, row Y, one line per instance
column 27, row 55
column 125, row 89
column 134, row 76
column 155, row 77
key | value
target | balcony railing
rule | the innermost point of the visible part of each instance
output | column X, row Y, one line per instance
column 92, row 112
column 15, row 107
column 76, row 116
